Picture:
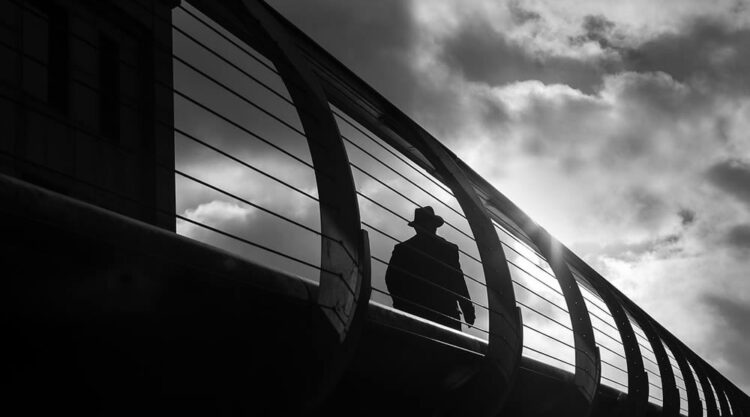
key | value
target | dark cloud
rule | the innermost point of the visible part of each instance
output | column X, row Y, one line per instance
column 733, row 177
column 597, row 28
column 704, row 51
column 738, row 237
column 372, row 38
column 482, row 54
column 521, row 15
column 687, row 216
column 732, row 344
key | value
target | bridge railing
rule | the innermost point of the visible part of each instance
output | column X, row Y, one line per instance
column 248, row 180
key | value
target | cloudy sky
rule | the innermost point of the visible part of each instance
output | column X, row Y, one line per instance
column 620, row 126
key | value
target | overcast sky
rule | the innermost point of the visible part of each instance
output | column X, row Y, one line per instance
column 620, row 126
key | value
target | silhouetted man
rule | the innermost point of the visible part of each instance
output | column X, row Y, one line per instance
column 424, row 275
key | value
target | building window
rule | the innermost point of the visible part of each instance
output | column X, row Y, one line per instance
column 45, row 47
column 109, row 87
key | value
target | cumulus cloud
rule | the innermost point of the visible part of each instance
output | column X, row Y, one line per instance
column 483, row 54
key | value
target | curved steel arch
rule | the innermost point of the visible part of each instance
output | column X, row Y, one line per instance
column 694, row 402
column 489, row 388
column 670, row 393
column 344, row 287
column 695, row 408
column 505, row 332
column 711, row 406
column 638, row 388
column 720, row 392
column 587, row 361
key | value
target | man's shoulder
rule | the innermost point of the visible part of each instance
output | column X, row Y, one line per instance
column 446, row 243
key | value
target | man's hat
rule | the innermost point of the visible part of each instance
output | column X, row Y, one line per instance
column 425, row 217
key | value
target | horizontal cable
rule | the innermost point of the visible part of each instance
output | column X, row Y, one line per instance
column 406, row 198
column 271, row 212
column 614, row 382
column 550, row 337
column 255, row 244
column 244, row 129
column 397, row 156
column 646, row 348
column 654, row 385
column 614, row 366
column 535, row 278
column 594, row 293
column 544, row 315
column 240, row 96
column 606, row 323
column 246, row 165
column 552, row 303
column 228, row 39
column 387, row 166
column 235, row 66
column 250, row 203
column 619, row 342
column 504, row 225
column 611, row 350
column 650, row 360
column 548, row 355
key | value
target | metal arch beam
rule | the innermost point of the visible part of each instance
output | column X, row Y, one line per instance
column 711, row 406
column 339, row 209
column 506, row 330
column 638, row 388
column 695, row 408
column 343, row 292
column 588, row 362
column 659, row 333
column 490, row 387
column 719, row 388
column 588, row 366
column 670, row 393
column 671, row 396
column 739, row 401
column 722, row 393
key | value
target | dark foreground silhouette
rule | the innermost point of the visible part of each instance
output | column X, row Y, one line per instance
column 424, row 276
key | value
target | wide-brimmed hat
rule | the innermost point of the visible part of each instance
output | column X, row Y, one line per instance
column 425, row 217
